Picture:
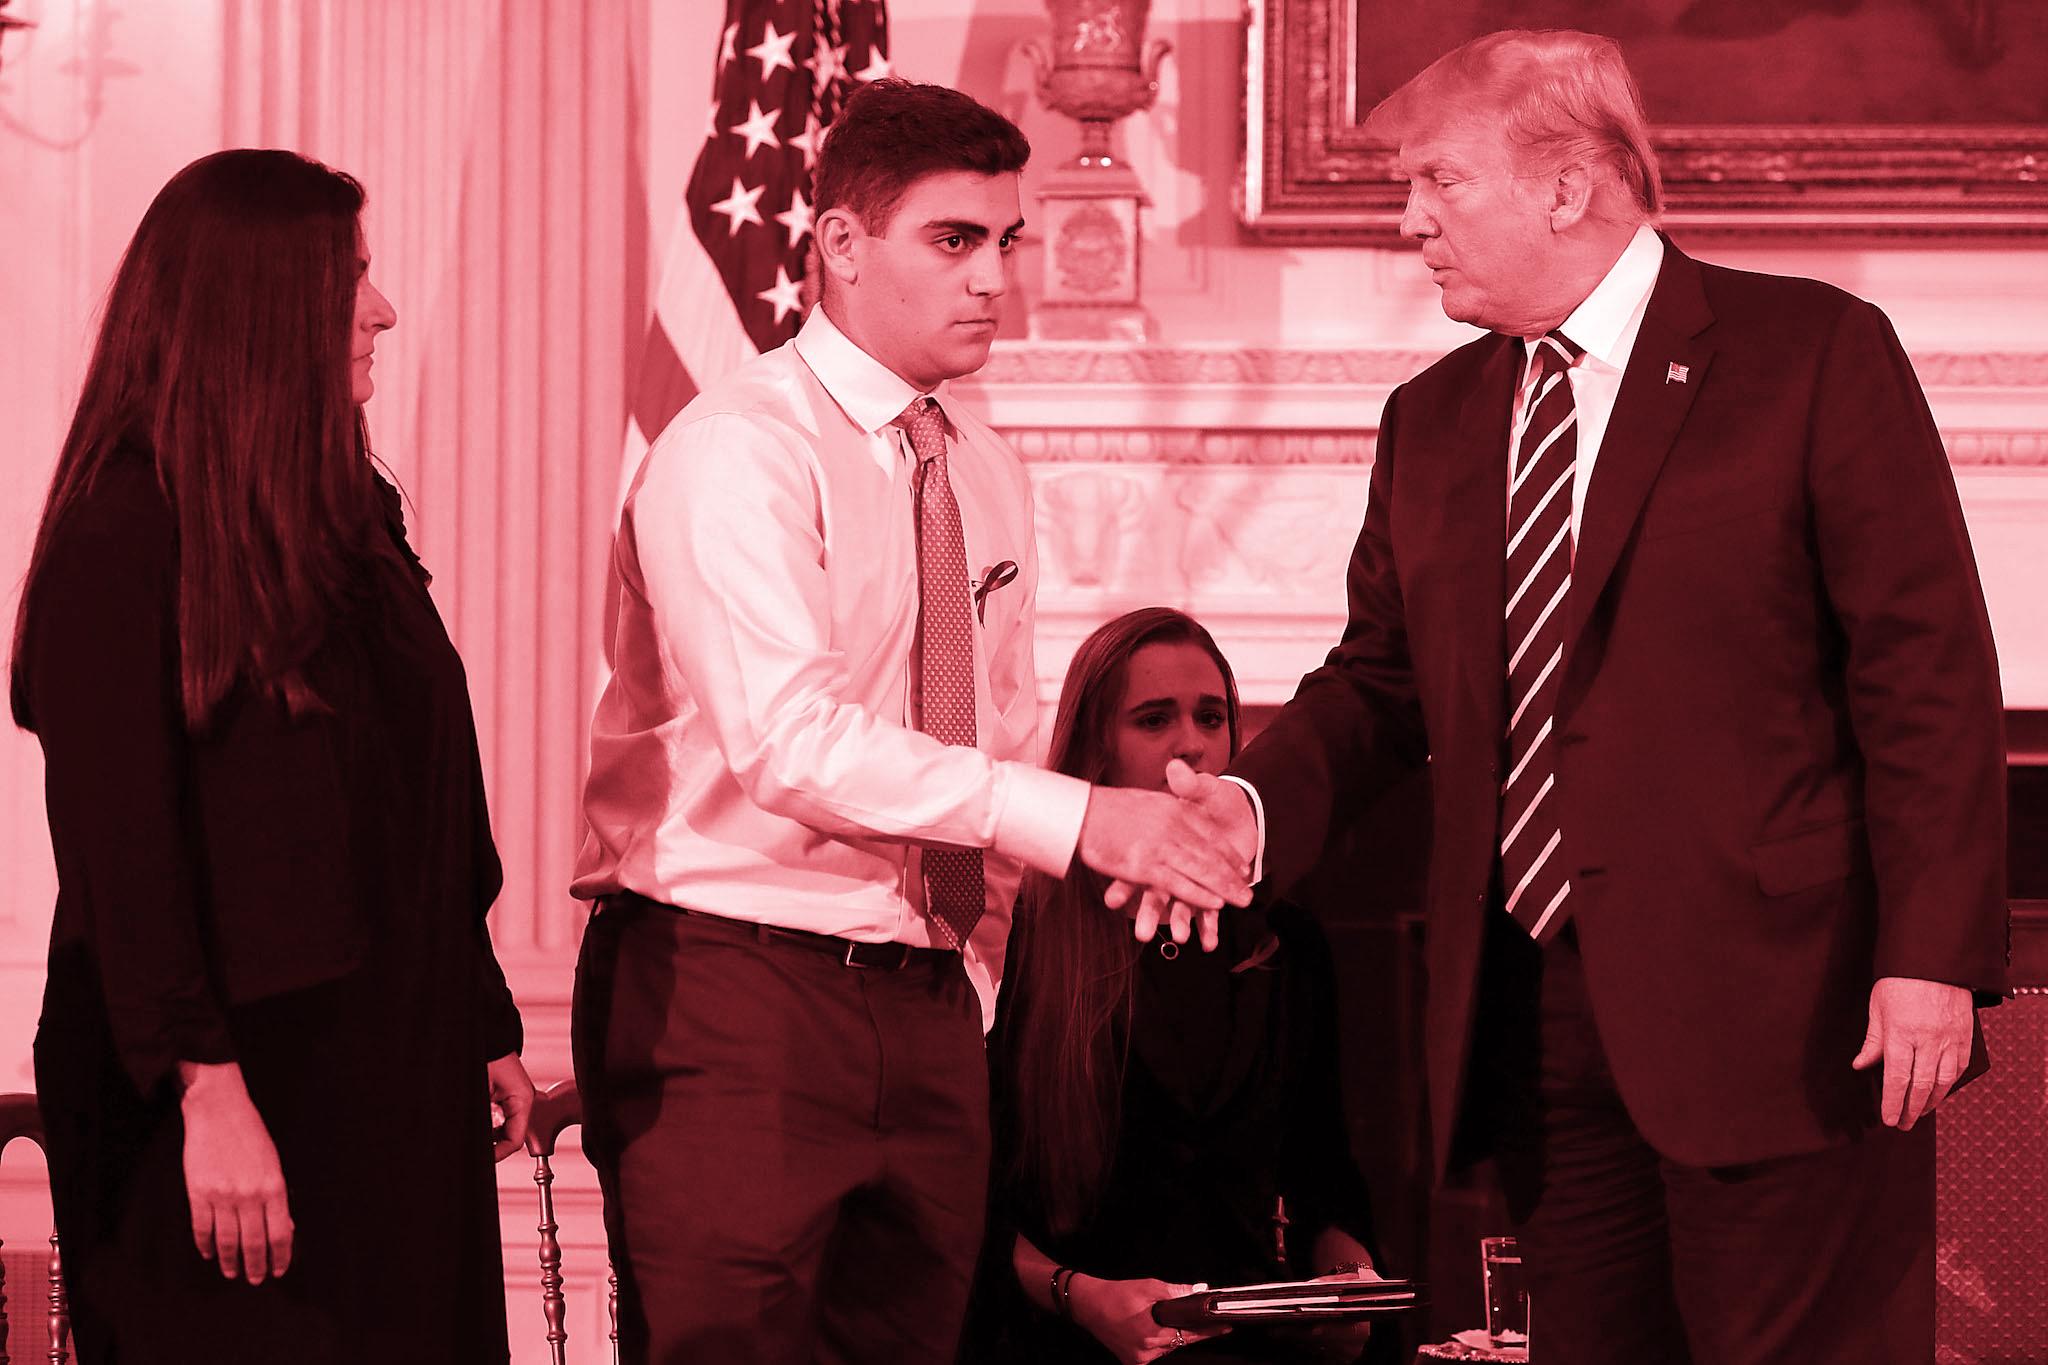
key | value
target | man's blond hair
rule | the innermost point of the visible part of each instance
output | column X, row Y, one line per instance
column 1561, row 98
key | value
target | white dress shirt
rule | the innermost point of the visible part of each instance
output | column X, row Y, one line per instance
column 752, row 755
column 1605, row 326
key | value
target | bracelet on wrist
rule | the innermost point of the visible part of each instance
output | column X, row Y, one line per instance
column 1347, row 1268
column 1063, row 1291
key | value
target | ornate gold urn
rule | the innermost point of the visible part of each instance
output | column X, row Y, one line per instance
column 1095, row 68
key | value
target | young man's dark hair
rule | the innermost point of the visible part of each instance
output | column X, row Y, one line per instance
column 893, row 133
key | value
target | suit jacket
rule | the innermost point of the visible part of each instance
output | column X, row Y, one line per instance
column 1780, row 758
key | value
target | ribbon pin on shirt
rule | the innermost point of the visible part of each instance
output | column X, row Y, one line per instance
column 993, row 577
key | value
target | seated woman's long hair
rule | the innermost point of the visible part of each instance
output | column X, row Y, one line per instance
column 224, row 353
column 1066, row 1028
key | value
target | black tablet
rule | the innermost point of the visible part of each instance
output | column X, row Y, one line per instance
column 1300, row 1301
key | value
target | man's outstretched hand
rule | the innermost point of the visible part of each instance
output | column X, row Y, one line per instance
column 1228, row 810
column 1160, row 841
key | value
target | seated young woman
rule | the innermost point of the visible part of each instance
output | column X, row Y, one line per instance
column 1164, row 1117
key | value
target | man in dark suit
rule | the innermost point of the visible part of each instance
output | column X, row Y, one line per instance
column 1666, row 580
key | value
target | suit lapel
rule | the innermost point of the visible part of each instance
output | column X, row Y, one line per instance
column 1476, row 503
column 1648, row 412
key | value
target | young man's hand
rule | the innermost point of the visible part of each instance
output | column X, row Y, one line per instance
column 1229, row 809
column 1162, row 842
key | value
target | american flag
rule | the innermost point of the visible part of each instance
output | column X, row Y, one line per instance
column 733, row 283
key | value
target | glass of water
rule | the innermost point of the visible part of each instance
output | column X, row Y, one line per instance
column 1507, row 1293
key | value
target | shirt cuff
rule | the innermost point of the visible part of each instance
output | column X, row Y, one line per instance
column 1038, row 816
column 154, row 1062
column 1259, row 820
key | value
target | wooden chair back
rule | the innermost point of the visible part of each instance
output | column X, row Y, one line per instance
column 20, row 1118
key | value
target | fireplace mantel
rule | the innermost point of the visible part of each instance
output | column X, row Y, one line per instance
column 1229, row 481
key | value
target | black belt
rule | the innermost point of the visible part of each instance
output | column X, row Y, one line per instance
column 883, row 957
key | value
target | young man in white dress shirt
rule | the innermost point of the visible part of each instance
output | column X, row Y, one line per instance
column 814, row 787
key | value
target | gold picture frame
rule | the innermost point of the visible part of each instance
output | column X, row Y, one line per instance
column 1311, row 173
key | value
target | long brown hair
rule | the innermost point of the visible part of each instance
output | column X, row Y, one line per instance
column 224, row 353
column 1067, row 1022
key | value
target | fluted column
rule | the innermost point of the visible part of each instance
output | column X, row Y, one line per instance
column 494, row 139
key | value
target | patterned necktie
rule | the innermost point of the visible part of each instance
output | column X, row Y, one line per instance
column 942, row 660
column 1539, row 574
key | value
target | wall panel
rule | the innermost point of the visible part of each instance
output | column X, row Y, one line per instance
column 495, row 140
column 99, row 105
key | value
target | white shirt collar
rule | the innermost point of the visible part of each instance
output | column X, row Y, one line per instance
column 1605, row 325
column 870, row 393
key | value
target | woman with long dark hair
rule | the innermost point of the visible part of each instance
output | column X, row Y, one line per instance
column 1164, row 1116
column 273, row 1025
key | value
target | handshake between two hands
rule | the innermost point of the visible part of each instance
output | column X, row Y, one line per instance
column 1177, row 856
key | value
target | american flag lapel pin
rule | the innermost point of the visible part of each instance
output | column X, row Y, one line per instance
column 1676, row 373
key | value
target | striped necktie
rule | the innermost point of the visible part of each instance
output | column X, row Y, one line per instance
column 1539, row 574
column 942, row 661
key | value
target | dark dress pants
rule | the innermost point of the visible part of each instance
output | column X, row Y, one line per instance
column 793, row 1152
column 1635, row 1259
